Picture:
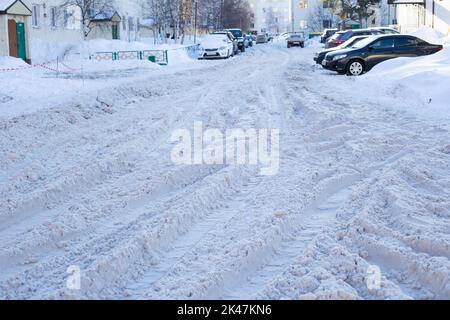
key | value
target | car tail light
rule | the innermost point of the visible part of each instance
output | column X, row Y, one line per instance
column 339, row 41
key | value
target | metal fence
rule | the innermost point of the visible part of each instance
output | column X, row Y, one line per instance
column 160, row 57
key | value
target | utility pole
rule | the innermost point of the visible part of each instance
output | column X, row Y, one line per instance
column 292, row 15
column 195, row 20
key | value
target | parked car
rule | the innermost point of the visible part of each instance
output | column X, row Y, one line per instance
column 327, row 33
column 232, row 38
column 216, row 46
column 341, row 36
column 248, row 40
column 369, row 52
column 261, row 38
column 386, row 30
column 318, row 58
column 237, row 33
column 296, row 39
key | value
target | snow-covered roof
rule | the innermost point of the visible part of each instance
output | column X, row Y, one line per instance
column 148, row 22
column 105, row 15
column 5, row 4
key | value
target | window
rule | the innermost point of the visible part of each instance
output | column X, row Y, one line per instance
column 130, row 23
column 303, row 24
column 53, row 17
column 70, row 17
column 124, row 23
column 405, row 42
column 66, row 18
column 383, row 44
column 35, row 15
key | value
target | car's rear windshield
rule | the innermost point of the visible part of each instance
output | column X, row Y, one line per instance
column 347, row 35
column 338, row 35
column 236, row 33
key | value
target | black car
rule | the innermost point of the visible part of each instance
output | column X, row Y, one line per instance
column 237, row 33
column 327, row 33
column 340, row 37
column 318, row 58
column 367, row 53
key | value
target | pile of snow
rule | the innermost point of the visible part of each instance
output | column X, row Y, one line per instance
column 314, row 43
column 428, row 34
column 423, row 79
column 10, row 62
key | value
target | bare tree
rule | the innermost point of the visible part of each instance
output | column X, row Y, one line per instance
column 360, row 10
column 236, row 14
column 316, row 17
column 272, row 20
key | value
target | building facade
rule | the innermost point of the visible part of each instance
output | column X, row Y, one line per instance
column 273, row 16
column 52, row 20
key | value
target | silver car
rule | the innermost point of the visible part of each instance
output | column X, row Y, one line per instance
column 261, row 38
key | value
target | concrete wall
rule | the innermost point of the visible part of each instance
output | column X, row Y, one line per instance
column 411, row 17
column 441, row 21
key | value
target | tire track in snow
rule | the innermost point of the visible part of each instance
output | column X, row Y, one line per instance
column 169, row 255
column 312, row 222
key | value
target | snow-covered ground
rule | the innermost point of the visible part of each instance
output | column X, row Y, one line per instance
column 86, row 180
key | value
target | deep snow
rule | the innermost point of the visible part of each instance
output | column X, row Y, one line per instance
column 86, row 180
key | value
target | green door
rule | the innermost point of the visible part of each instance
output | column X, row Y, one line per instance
column 115, row 32
column 21, row 49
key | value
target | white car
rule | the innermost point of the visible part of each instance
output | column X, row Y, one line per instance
column 216, row 46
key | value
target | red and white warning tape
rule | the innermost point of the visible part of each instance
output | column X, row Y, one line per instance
column 45, row 65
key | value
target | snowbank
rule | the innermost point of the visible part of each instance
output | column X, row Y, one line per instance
column 44, row 51
column 424, row 81
column 10, row 62
column 428, row 34
column 314, row 43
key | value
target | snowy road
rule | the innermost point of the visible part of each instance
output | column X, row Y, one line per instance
column 361, row 184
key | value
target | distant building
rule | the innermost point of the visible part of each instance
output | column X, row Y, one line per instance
column 271, row 15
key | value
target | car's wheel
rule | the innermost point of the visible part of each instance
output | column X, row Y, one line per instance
column 355, row 68
column 243, row 49
column 302, row 45
column 288, row 45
